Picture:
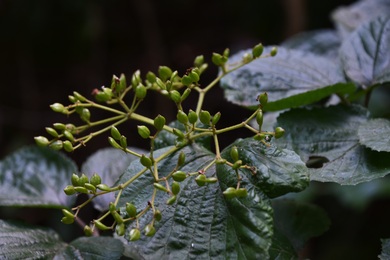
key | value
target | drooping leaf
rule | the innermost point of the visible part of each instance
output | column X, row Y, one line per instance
column 201, row 224
column 93, row 248
column 375, row 134
column 299, row 221
column 292, row 78
column 277, row 171
column 321, row 42
column 348, row 18
column 20, row 241
column 34, row 176
column 365, row 54
column 109, row 163
column 329, row 135
column 385, row 254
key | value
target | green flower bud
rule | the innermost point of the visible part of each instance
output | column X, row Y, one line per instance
column 274, row 51
column 226, row 52
column 160, row 187
column 103, row 187
column 174, row 76
column 179, row 176
column 171, row 200
column 114, row 82
column 134, row 234
column 88, row 231
column 151, row 77
column 72, row 99
column 67, row 220
column 59, row 126
column 120, row 229
column 115, row 133
column 259, row 118
column 181, row 159
column 218, row 59
column 81, row 189
column 157, row 215
column 150, row 230
column 100, row 225
column 75, row 179
column 82, row 180
column 140, row 92
column 194, row 76
column 230, row 193
column 199, row 60
column 69, row 190
column 68, row 146
column 52, row 132
column 178, row 133
column 175, row 188
column 143, row 131
column 146, row 161
column 56, row 145
column 123, row 141
column 201, row 180
column 41, row 141
column 161, row 84
column 242, row 192
column 263, row 98
column 111, row 207
column 237, row 165
column 204, row 117
column 122, row 84
column 247, row 57
column 117, row 217
column 113, row 143
column 234, row 153
column 279, row 132
column 216, row 118
column 211, row 180
column 71, row 128
column 67, row 213
column 175, row 96
column 186, row 80
column 95, row 179
column 257, row 50
column 131, row 210
column 58, row 107
column 136, row 79
column 259, row 137
column 185, row 94
column 101, row 96
column 85, row 115
column 159, row 122
column 192, row 117
column 182, row 117
column 90, row 187
column 164, row 72
column 79, row 97
column 108, row 92
column 68, row 135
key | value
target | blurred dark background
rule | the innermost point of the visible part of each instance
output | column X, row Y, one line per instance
column 50, row 48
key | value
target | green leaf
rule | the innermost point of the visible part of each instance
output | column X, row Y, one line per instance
column 201, row 224
column 35, row 176
column 292, row 78
column 277, row 171
column 19, row 241
column 299, row 221
column 109, row 163
column 365, row 54
column 321, row 42
column 93, row 248
column 385, row 254
column 375, row 134
column 329, row 135
column 281, row 248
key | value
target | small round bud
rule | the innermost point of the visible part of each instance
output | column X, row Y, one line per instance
column 259, row 118
column 192, row 117
column 201, row 180
column 160, row 187
column 117, row 217
column 157, row 215
column 122, row 84
column 186, row 80
column 230, row 193
column 68, row 146
column 56, row 145
column 67, row 213
column 115, row 133
column 103, row 187
column 274, row 51
column 67, row 220
column 159, row 122
column 279, row 132
column 161, row 84
column 79, row 97
column 143, row 131
column 41, row 141
column 85, row 115
column 113, row 143
column 100, row 225
column 123, row 141
column 83, row 180
column 204, row 117
column 146, row 161
column 199, row 60
column 59, row 126
column 178, row 133
column 181, row 159
column 257, row 50
column 211, row 180
column 90, row 187
column 75, row 179
column 234, row 153
column 131, row 210
column 237, row 165
column 171, row 200
column 175, row 96
column 247, row 57
column 120, row 229
column 216, row 118
column 134, row 234
column 218, row 59
column 68, row 135
column 175, row 188
column 58, row 107
column 151, row 77
column 95, row 179
column 241, row 192
column 185, row 94
column 140, row 91
column 52, row 132
column 81, row 189
column 263, row 98
column 194, row 76
column 182, row 117
column 150, row 230
column 88, row 231
column 164, row 72
column 179, row 176
column 69, row 190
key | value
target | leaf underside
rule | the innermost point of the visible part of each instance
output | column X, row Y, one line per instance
column 375, row 134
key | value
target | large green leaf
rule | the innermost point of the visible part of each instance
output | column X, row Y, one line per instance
column 34, row 176
column 322, row 42
column 277, row 171
column 94, row 248
column 292, row 78
column 109, row 163
column 385, row 254
column 19, row 241
column 201, row 224
column 375, row 134
column 330, row 135
column 365, row 54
